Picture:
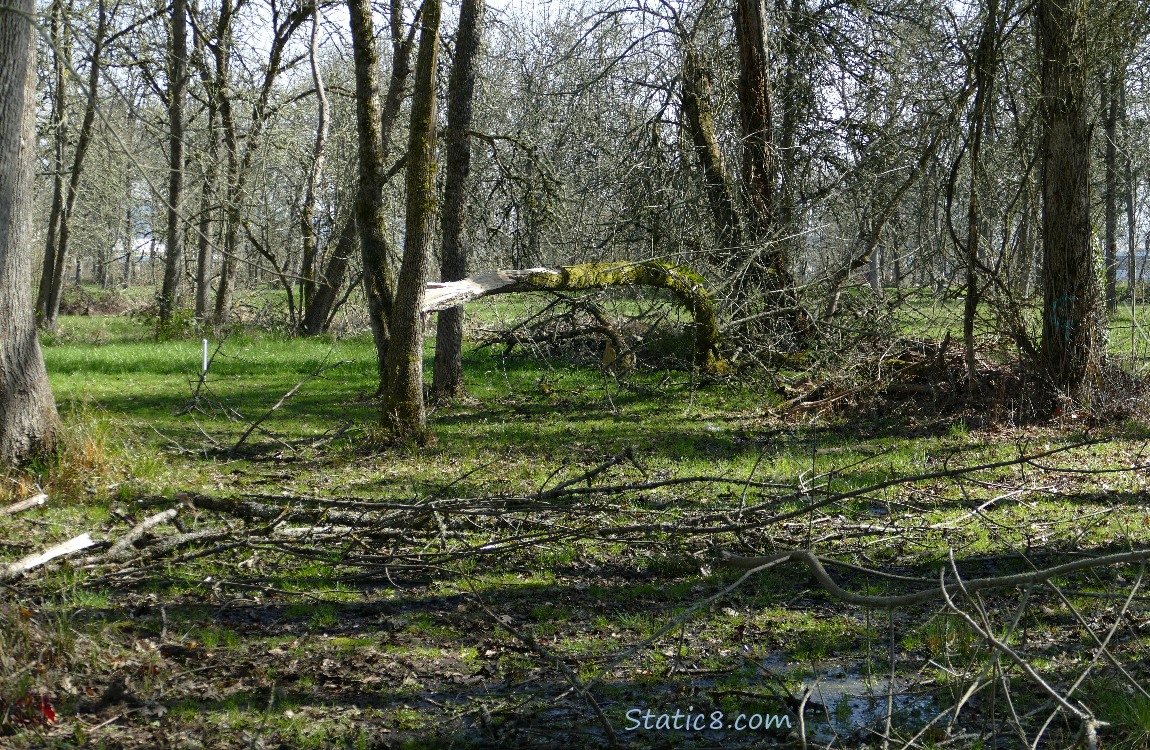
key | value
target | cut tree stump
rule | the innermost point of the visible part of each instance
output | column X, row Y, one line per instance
column 688, row 288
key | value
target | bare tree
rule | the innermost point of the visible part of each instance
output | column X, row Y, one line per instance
column 1073, row 340
column 985, row 62
column 447, row 381
column 370, row 215
column 177, row 92
column 52, row 283
column 403, row 409
column 307, row 281
column 59, row 44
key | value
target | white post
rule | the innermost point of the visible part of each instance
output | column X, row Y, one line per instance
column 204, row 369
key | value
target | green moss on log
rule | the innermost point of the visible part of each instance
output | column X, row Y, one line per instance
column 688, row 288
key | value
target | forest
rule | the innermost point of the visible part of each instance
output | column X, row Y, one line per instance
column 599, row 373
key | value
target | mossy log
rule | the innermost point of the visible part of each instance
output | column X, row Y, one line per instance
column 688, row 288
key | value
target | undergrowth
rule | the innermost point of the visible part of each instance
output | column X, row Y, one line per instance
column 341, row 639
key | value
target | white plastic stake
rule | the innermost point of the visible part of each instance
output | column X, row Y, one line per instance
column 204, row 369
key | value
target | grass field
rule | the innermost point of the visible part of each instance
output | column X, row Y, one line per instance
column 481, row 598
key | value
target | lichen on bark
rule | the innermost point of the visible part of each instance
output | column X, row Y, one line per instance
column 688, row 288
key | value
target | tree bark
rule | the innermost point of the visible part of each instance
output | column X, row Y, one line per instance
column 403, row 408
column 688, row 288
column 985, row 61
column 1111, row 92
column 60, row 47
column 327, row 294
column 370, row 215
column 700, row 120
column 28, row 421
column 763, row 272
column 447, row 379
column 207, row 201
column 1130, row 188
column 307, row 280
column 129, row 231
column 318, row 315
column 760, row 171
column 83, row 141
column 174, row 240
column 239, row 166
column 1072, row 332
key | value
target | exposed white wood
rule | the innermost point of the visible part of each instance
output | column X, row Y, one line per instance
column 25, row 564
column 440, row 295
column 31, row 502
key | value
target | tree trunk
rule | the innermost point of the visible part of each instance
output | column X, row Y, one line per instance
column 403, row 409
column 369, row 208
column 28, row 421
column 83, row 141
column 238, row 167
column 307, row 281
column 327, row 295
column 763, row 273
column 1111, row 91
column 129, row 234
column 60, row 46
column 760, row 172
column 207, row 201
column 174, row 240
column 318, row 315
column 984, row 72
column 1025, row 246
column 688, row 288
column 700, row 120
column 1072, row 335
column 447, row 379
column 1130, row 188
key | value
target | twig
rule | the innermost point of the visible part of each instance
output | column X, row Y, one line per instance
column 264, row 720
column 121, row 550
column 828, row 584
column 1089, row 732
column 615, row 460
column 195, row 400
column 283, row 399
column 570, row 676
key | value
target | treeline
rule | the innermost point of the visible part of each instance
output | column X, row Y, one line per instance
column 786, row 150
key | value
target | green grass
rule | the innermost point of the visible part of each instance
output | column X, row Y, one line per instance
column 350, row 651
column 924, row 315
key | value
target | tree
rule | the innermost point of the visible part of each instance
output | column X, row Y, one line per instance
column 1073, row 339
column 62, row 223
column 59, row 46
column 403, row 409
column 699, row 118
column 307, row 280
column 177, row 91
column 28, row 421
column 447, row 381
column 986, row 58
column 371, row 217
column 766, row 268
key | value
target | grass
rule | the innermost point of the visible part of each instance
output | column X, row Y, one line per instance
column 368, row 657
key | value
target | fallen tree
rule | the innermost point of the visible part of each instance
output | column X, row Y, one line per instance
column 687, row 287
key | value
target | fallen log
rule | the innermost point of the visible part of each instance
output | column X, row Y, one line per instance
column 31, row 502
column 21, row 566
column 688, row 288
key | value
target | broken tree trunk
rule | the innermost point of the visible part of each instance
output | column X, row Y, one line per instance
column 35, row 560
column 688, row 288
